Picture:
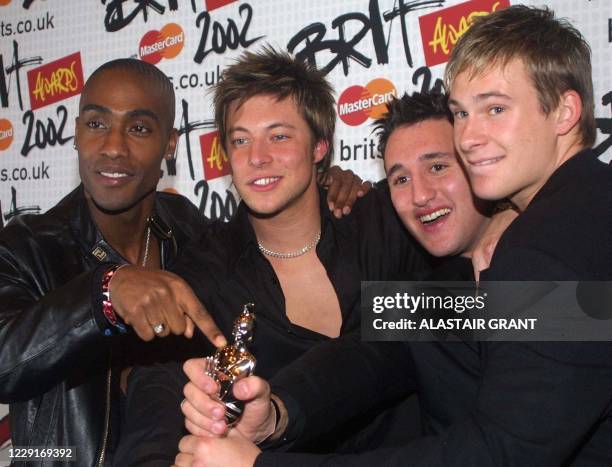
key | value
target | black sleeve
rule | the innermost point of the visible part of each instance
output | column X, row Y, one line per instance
column 532, row 396
column 43, row 334
column 537, row 403
column 153, row 422
column 338, row 380
column 528, row 264
column 388, row 250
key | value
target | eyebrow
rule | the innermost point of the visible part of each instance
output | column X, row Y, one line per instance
column 95, row 108
column 482, row 96
column 429, row 156
column 131, row 114
column 143, row 113
column 394, row 168
column 272, row 126
column 423, row 157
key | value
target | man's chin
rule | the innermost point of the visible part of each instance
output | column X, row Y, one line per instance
column 264, row 207
column 490, row 190
column 264, row 212
column 440, row 251
column 115, row 207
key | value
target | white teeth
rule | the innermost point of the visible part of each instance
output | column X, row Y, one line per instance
column 265, row 181
column 114, row 174
column 487, row 162
column 434, row 215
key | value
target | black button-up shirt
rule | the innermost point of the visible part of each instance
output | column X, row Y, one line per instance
column 226, row 270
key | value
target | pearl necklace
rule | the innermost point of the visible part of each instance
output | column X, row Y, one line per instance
column 293, row 254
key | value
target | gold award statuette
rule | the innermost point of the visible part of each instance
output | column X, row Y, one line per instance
column 234, row 362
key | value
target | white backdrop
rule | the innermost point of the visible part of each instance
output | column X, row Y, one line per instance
column 370, row 48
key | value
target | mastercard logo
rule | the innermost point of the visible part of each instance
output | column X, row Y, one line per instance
column 165, row 43
column 358, row 103
column 6, row 134
column 4, row 2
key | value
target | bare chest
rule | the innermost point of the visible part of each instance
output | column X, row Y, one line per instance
column 310, row 298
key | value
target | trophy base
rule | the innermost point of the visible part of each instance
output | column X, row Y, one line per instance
column 233, row 411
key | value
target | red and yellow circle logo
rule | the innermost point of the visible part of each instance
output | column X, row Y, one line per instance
column 358, row 103
column 6, row 134
column 165, row 43
column 4, row 2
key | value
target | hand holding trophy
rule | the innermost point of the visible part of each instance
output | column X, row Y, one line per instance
column 234, row 362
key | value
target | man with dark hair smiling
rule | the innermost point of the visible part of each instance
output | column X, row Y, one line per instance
column 429, row 187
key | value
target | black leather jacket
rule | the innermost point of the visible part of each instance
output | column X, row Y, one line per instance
column 56, row 366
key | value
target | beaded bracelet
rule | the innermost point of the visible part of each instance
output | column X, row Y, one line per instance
column 107, row 305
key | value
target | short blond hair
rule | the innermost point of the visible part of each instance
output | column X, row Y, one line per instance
column 274, row 73
column 556, row 57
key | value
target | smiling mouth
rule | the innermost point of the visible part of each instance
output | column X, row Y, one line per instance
column 115, row 175
column 265, row 181
column 434, row 216
column 484, row 162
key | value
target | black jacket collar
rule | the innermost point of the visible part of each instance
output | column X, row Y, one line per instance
column 90, row 239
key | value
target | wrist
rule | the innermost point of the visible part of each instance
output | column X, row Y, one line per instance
column 115, row 323
column 276, row 430
column 282, row 418
column 274, row 417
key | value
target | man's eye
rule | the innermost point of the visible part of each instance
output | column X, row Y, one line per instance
column 402, row 179
column 438, row 167
column 279, row 137
column 238, row 141
column 141, row 129
column 460, row 114
column 94, row 124
column 496, row 110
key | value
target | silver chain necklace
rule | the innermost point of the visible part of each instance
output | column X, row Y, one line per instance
column 294, row 254
column 147, row 245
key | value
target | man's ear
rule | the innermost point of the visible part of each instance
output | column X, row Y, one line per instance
column 568, row 112
column 320, row 150
column 171, row 145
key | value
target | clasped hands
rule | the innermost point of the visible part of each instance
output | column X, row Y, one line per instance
column 211, row 442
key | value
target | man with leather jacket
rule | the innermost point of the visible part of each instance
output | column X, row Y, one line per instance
column 60, row 361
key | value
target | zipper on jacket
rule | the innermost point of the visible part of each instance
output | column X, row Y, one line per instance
column 106, row 418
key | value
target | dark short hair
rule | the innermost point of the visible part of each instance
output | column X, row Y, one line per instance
column 409, row 110
column 147, row 71
column 556, row 56
column 275, row 73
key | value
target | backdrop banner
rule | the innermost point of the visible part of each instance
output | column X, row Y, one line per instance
column 369, row 49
